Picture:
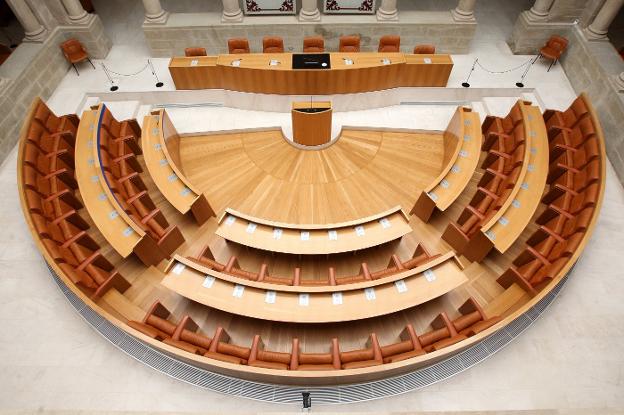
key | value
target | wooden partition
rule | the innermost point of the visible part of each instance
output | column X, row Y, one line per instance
column 302, row 239
column 273, row 74
column 313, row 304
column 462, row 148
column 119, row 230
column 160, row 142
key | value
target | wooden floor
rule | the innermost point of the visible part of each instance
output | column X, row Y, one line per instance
column 361, row 174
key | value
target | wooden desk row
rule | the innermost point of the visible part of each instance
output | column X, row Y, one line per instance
column 313, row 304
column 273, row 74
column 160, row 143
column 124, row 235
column 313, row 239
column 462, row 148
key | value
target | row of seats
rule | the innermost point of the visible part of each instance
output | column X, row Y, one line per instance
column 571, row 202
column 504, row 144
column 49, row 190
column 184, row 335
column 119, row 148
column 395, row 265
column 314, row 44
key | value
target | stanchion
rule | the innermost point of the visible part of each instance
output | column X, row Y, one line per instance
column 158, row 83
column 110, row 79
column 466, row 84
column 526, row 71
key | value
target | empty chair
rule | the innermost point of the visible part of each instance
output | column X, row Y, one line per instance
column 349, row 44
column 443, row 335
column 272, row 44
column 238, row 45
column 407, row 347
column 195, row 51
column 554, row 48
column 389, row 43
column 424, row 49
column 473, row 319
column 313, row 44
column 315, row 361
column 155, row 324
column 75, row 52
column 260, row 357
column 369, row 356
column 222, row 349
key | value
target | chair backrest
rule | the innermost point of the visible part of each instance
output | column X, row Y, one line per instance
column 272, row 44
column 195, row 52
column 238, row 45
column 72, row 46
column 349, row 44
column 389, row 43
column 313, row 44
column 424, row 49
column 558, row 42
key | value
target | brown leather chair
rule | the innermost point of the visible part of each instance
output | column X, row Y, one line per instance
column 238, row 45
column 389, row 43
column 424, row 49
column 272, row 44
column 75, row 52
column 349, row 44
column 553, row 49
column 195, row 52
column 313, row 44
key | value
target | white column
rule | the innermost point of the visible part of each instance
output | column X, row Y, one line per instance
column 388, row 10
column 154, row 13
column 309, row 11
column 77, row 15
column 33, row 29
column 599, row 28
column 464, row 12
column 232, row 12
column 539, row 11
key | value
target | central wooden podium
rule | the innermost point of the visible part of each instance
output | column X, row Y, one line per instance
column 311, row 122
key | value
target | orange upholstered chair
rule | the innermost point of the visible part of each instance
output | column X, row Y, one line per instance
column 389, row 43
column 75, row 52
column 424, row 49
column 195, row 52
column 313, row 44
column 554, row 48
column 349, row 44
column 238, row 45
column 273, row 44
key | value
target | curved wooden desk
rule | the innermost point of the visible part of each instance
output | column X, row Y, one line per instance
column 112, row 221
column 462, row 148
column 158, row 134
column 502, row 230
column 313, row 304
column 349, row 73
column 313, row 239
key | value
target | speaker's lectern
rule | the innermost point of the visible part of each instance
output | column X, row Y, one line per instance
column 311, row 122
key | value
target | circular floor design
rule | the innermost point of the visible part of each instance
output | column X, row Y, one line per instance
column 320, row 395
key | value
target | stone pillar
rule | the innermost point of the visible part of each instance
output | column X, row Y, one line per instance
column 599, row 28
column 464, row 12
column 154, row 13
column 77, row 15
column 33, row 29
column 539, row 11
column 388, row 10
column 619, row 82
column 232, row 12
column 309, row 11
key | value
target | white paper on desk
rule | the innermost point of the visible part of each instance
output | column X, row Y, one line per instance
column 274, row 62
column 208, row 281
column 305, row 235
column 427, row 60
column 348, row 62
column 236, row 62
column 229, row 221
column 370, row 294
column 337, row 298
column 270, row 296
column 194, row 62
column 333, row 235
column 400, row 286
column 429, row 275
column 251, row 227
column 385, row 223
column 359, row 230
column 238, row 291
column 304, row 299
column 178, row 268
column 277, row 233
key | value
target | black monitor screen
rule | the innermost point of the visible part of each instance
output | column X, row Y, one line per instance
column 311, row 61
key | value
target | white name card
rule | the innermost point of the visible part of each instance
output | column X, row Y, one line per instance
column 385, row 223
column 236, row 62
column 429, row 275
column 251, row 227
column 229, row 221
column 370, row 294
column 270, row 296
column 304, row 299
column 208, row 281
column 178, row 268
column 305, row 235
column 238, row 291
column 333, row 235
column 194, row 62
column 400, row 286
column 427, row 60
column 386, row 61
column 348, row 62
column 337, row 298
column 277, row 233
column 359, row 230
column 274, row 62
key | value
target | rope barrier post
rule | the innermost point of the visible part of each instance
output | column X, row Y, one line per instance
column 526, row 71
column 110, row 79
column 466, row 84
column 158, row 82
